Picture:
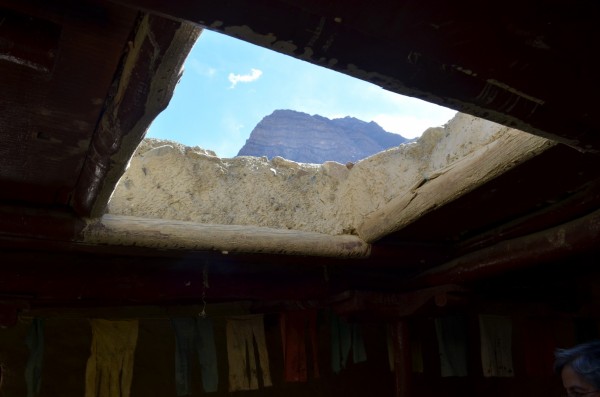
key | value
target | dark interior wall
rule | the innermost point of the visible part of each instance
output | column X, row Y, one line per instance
column 554, row 305
column 67, row 348
column 533, row 374
column 550, row 306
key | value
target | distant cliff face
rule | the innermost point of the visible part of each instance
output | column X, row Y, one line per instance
column 314, row 139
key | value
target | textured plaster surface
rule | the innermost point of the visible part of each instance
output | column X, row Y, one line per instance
column 167, row 180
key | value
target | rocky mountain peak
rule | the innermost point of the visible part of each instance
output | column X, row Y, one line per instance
column 304, row 138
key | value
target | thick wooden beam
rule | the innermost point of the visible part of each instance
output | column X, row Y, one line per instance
column 38, row 224
column 81, row 279
column 461, row 177
column 140, row 312
column 168, row 234
column 575, row 237
column 580, row 202
column 142, row 88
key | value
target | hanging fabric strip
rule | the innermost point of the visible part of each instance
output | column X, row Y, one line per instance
column 247, row 353
column 496, row 346
column 345, row 337
column 33, row 370
column 359, row 353
column 109, row 369
column 451, row 334
column 341, row 342
column 195, row 336
column 207, row 354
column 295, row 327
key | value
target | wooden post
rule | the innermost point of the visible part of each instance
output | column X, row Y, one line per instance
column 402, row 359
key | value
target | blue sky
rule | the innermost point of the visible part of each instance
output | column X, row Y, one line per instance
column 228, row 86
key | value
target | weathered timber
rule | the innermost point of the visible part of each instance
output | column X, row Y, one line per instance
column 140, row 312
column 76, row 279
column 451, row 183
column 577, row 236
column 38, row 224
column 169, row 234
column 577, row 204
column 53, row 91
column 143, row 87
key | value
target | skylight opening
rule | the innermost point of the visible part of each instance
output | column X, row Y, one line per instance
column 229, row 86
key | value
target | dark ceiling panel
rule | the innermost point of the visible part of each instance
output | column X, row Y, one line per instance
column 50, row 110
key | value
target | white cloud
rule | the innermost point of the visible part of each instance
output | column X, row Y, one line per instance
column 244, row 78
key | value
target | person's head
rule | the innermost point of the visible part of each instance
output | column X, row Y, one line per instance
column 579, row 368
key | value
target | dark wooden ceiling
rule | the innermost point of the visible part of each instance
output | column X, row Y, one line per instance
column 58, row 65
column 79, row 87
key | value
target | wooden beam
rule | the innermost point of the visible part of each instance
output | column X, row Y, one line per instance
column 39, row 224
column 560, row 242
column 449, row 184
column 392, row 305
column 580, row 202
column 75, row 279
column 140, row 312
column 169, row 234
column 142, row 88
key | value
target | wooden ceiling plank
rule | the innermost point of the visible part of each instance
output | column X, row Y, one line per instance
column 48, row 117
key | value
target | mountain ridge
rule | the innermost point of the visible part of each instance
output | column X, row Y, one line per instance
column 305, row 138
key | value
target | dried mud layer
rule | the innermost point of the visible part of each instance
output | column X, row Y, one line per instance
column 167, row 180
